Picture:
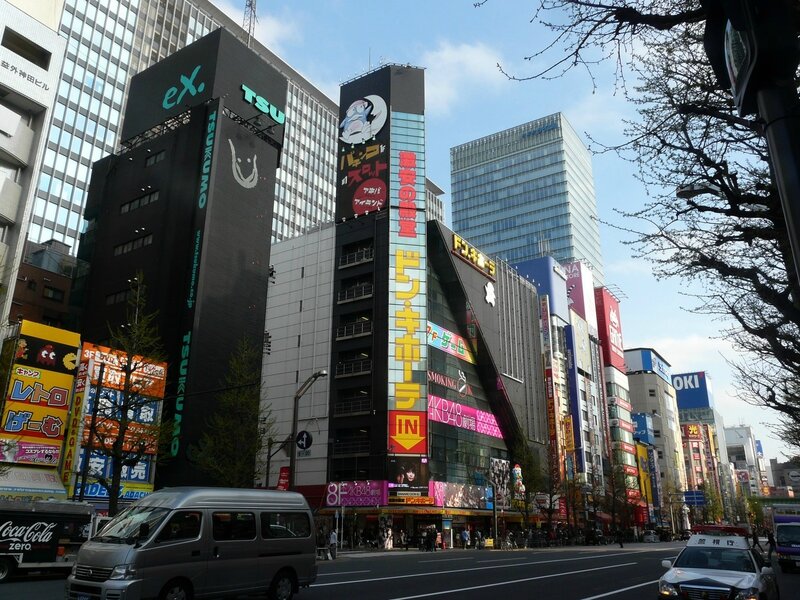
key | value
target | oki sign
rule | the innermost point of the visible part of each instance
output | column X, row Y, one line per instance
column 610, row 328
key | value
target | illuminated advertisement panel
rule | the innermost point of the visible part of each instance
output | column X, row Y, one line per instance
column 580, row 293
column 458, row 415
column 655, row 476
column 550, row 388
column 583, row 353
column 610, row 328
column 473, row 257
column 356, row 493
column 147, row 382
column 645, row 484
column 643, row 431
column 452, row 343
column 408, row 432
column 574, row 398
column 461, row 495
column 409, row 476
column 693, row 390
column 692, row 431
column 75, row 425
column 407, row 389
column 39, row 394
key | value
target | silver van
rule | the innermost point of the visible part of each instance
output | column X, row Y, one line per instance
column 187, row 542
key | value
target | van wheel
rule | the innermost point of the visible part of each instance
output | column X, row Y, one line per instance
column 176, row 589
column 6, row 569
column 282, row 587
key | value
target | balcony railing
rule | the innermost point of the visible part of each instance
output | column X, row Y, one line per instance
column 357, row 257
column 354, row 329
column 351, row 447
column 352, row 406
column 353, row 367
column 354, row 293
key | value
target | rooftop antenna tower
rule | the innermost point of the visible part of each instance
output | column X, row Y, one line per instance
column 250, row 19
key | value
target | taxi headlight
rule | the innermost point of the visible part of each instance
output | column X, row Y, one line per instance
column 666, row 589
column 123, row 572
column 750, row 594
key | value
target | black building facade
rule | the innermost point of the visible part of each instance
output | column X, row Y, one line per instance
column 188, row 203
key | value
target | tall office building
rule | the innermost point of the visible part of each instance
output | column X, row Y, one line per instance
column 107, row 43
column 31, row 53
column 528, row 192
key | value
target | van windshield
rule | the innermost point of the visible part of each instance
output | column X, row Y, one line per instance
column 126, row 527
column 788, row 535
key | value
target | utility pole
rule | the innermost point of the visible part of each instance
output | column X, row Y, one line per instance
column 293, row 437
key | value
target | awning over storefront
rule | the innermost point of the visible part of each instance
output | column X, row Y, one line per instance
column 29, row 483
column 602, row 517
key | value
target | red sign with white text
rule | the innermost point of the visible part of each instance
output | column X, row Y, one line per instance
column 610, row 326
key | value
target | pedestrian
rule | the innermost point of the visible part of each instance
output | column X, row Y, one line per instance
column 771, row 545
column 403, row 539
column 619, row 538
column 333, row 542
column 464, row 539
column 755, row 540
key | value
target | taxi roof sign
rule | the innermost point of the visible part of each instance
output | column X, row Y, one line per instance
column 719, row 541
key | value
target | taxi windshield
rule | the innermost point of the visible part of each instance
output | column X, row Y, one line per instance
column 723, row 559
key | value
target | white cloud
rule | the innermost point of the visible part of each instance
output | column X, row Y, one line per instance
column 460, row 73
column 272, row 31
column 600, row 114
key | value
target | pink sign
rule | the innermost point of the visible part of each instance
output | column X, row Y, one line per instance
column 465, row 417
column 356, row 493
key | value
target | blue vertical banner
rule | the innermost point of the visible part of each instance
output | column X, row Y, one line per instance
column 573, row 384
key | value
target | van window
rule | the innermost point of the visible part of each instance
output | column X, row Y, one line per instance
column 285, row 525
column 234, row 526
column 183, row 525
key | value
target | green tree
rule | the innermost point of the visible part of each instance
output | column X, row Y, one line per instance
column 712, row 511
column 528, row 458
column 114, row 433
column 231, row 448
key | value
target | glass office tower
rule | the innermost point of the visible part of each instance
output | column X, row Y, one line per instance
column 108, row 42
column 528, row 192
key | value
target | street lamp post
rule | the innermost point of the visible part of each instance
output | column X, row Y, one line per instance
column 293, row 439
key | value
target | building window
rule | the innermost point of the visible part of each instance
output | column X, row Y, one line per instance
column 651, row 393
column 32, row 285
column 25, row 48
column 155, row 158
column 117, row 298
column 133, row 245
column 53, row 293
column 138, row 202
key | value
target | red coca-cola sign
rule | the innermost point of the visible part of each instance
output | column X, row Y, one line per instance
column 283, row 479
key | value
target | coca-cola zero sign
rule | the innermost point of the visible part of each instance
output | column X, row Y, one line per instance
column 37, row 539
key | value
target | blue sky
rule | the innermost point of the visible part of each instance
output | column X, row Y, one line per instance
column 467, row 97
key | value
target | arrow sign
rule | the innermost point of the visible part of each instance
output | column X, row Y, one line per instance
column 304, row 440
column 408, row 432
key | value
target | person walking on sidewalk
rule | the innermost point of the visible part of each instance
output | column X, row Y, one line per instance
column 771, row 545
column 333, row 543
column 755, row 540
column 619, row 538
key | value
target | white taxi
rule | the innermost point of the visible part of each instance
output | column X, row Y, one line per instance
column 718, row 567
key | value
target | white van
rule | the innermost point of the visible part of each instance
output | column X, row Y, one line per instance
column 183, row 543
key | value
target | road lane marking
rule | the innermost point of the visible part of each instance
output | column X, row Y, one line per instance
column 340, row 573
column 512, row 582
column 555, row 560
column 436, row 573
column 619, row 591
column 438, row 560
